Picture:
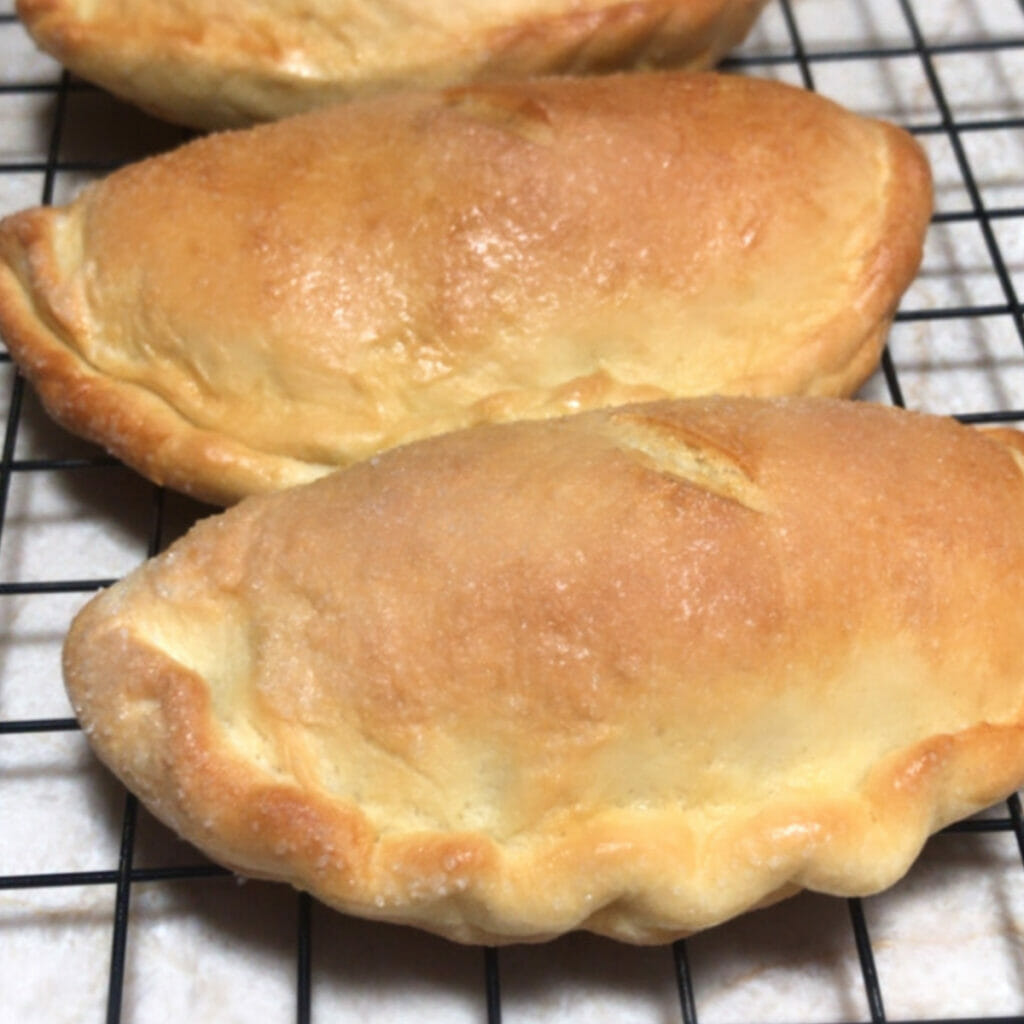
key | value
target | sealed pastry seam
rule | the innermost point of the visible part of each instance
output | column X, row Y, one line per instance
column 131, row 420
column 904, row 189
column 630, row 703
column 433, row 879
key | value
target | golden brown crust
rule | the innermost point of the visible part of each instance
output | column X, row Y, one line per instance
column 260, row 306
column 633, row 671
column 40, row 324
column 227, row 63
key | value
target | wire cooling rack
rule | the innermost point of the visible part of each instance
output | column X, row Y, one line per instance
column 106, row 915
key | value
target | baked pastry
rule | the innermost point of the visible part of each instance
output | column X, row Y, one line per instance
column 223, row 63
column 633, row 671
column 257, row 308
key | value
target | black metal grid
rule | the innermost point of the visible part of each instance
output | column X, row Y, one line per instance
column 75, row 137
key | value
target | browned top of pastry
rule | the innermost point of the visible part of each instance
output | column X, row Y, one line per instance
column 633, row 671
column 223, row 63
column 258, row 307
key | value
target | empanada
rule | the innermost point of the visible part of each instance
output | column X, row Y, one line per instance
column 222, row 63
column 633, row 671
column 259, row 307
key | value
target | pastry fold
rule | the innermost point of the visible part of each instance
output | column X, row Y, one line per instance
column 227, row 63
column 633, row 671
column 259, row 307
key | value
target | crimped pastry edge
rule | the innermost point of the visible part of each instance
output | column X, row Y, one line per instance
column 133, row 423
column 650, row 881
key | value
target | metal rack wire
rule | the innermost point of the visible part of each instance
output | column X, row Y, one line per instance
column 973, row 298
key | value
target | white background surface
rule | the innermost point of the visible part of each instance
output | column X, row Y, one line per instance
column 947, row 941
